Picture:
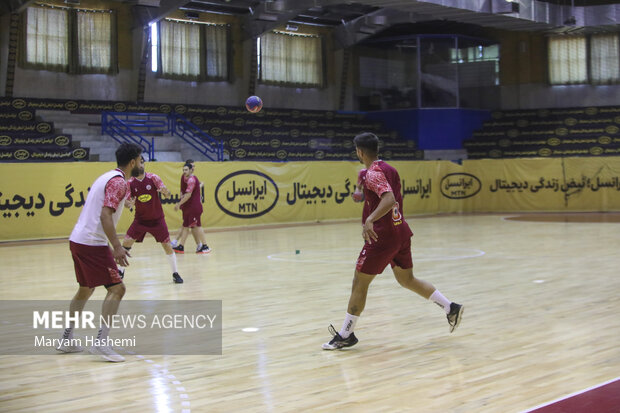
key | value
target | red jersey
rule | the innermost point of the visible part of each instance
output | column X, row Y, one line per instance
column 148, row 206
column 381, row 178
column 360, row 176
column 191, row 185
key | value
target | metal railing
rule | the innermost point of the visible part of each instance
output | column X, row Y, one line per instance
column 196, row 137
column 130, row 127
column 120, row 127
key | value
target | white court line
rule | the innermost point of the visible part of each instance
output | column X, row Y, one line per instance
column 596, row 386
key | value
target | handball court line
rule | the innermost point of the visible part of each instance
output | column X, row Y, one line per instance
column 601, row 398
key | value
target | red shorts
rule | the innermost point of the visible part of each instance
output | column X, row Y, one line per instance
column 191, row 219
column 376, row 256
column 94, row 265
column 158, row 229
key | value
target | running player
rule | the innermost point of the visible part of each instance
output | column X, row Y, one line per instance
column 94, row 261
column 387, row 239
column 145, row 189
column 182, row 232
column 191, row 206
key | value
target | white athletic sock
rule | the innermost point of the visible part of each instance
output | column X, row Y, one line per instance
column 172, row 259
column 441, row 301
column 103, row 332
column 348, row 325
column 198, row 246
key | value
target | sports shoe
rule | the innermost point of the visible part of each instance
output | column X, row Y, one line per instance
column 121, row 272
column 67, row 345
column 338, row 342
column 177, row 278
column 179, row 249
column 454, row 317
column 107, row 353
column 203, row 250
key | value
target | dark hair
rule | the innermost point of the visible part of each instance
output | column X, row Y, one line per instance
column 189, row 161
column 367, row 142
column 126, row 152
column 189, row 165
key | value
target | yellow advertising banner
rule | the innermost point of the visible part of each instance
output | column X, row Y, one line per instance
column 39, row 201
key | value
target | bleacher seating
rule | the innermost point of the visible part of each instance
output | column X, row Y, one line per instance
column 270, row 135
column 291, row 135
column 592, row 131
column 23, row 138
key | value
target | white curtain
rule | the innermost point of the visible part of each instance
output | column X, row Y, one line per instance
column 604, row 58
column 567, row 60
column 291, row 59
column 216, row 42
column 94, row 40
column 180, row 49
column 47, row 37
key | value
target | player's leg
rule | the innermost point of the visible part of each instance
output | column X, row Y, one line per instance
column 76, row 306
column 406, row 279
column 179, row 248
column 175, row 241
column 402, row 266
column 202, row 247
column 172, row 260
column 184, row 235
column 359, row 292
column 357, row 302
column 135, row 233
column 108, row 309
column 80, row 255
column 161, row 235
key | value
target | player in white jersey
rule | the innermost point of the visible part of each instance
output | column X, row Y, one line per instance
column 93, row 259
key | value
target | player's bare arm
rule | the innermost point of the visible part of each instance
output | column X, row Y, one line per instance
column 165, row 192
column 385, row 206
column 186, row 196
column 120, row 254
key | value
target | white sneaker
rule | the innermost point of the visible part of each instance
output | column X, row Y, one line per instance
column 68, row 344
column 107, row 353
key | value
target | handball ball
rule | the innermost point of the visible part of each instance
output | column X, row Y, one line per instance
column 357, row 196
column 253, row 104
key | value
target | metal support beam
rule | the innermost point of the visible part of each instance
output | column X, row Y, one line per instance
column 14, row 6
column 271, row 14
column 356, row 30
column 145, row 15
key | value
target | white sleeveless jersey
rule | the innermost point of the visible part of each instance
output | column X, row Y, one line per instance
column 88, row 230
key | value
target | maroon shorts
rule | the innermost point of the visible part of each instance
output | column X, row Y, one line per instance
column 376, row 256
column 191, row 218
column 158, row 229
column 94, row 265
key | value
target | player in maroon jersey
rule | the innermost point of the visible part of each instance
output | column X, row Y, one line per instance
column 145, row 189
column 182, row 232
column 358, row 194
column 387, row 239
column 191, row 206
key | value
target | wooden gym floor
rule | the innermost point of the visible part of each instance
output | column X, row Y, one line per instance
column 541, row 322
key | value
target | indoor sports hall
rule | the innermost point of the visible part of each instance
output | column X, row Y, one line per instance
column 502, row 120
